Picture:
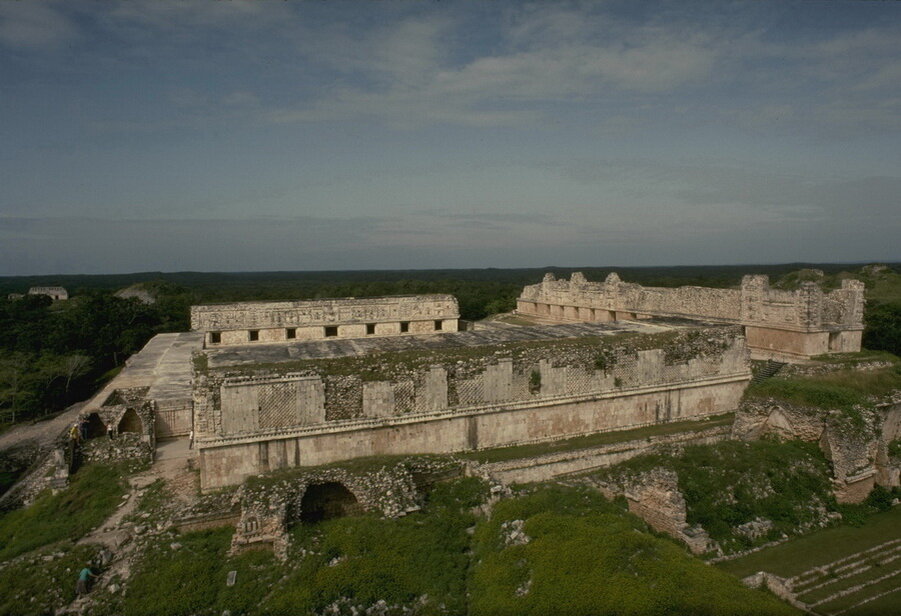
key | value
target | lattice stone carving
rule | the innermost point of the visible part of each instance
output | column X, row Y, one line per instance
column 278, row 405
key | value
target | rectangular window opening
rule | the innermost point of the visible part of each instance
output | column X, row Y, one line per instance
column 291, row 333
column 254, row 335
column 331, row 331
column 370, row 329
column 438, row 325
column 215, row 337
column 404, row 327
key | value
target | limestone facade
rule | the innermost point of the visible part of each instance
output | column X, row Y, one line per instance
column 260, row 322
column 783, row 325
column 250, row 419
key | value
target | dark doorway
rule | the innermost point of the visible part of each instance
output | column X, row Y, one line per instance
column 323, row 501
column 95, row 426
column 130, row 422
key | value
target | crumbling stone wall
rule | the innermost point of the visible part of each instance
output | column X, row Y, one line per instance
column 271, row 506
column 857, row 448
column 655, row 497
column 779, row 324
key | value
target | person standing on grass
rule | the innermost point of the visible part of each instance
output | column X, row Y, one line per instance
column 84, row 578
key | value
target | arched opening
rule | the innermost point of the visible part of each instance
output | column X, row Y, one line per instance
column 95, row 426
column 323, row 501
column 130, row 422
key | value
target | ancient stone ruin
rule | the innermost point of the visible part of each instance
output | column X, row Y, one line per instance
column 780, row 325
column 251, row 322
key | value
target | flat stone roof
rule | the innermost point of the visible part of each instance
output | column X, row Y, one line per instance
column 163, row 365
column 265, row 353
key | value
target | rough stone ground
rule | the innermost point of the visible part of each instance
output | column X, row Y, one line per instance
column 116, row 535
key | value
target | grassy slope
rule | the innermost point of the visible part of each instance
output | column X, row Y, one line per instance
column 92, row 496
column 727, row 484
column 819, row 548
column 42, row 582
column 587, row 557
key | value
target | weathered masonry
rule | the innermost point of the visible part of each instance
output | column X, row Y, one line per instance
column 783, row 325
column 267, row 407
column 252, row 322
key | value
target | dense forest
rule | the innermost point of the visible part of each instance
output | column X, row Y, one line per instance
column 55, row 353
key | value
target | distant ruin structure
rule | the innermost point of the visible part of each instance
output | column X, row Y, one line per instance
column 780, row 325
column 253, row 322
column 55, row 293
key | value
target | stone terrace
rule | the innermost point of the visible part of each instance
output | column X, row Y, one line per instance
column 325, row 349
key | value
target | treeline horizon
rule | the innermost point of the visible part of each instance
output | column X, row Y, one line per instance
column 704, row 275
column 55, row 353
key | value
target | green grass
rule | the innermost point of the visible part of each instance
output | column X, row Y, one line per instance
column 858, row 357
column 882, row 606
column 877, row 570
column 586, row 556
column 503, row 454
column 843, row 603
column 192, row 579
column 819, row 548
column 398, row 561
column 733, row 482
column 92, row 496
column 845, row 390
column 34, row 586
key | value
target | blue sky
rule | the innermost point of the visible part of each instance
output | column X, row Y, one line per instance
column 276, row 135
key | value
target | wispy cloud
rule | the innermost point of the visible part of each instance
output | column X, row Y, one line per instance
column 35, row 26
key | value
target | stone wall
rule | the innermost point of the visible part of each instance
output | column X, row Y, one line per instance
column 270, row 507
column 497, row 396
column 655, row 497
column 252, row 322
column 779, row 324
column 858, row 450
column 549, row 466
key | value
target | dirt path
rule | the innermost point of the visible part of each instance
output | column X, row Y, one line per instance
column 116, row 533
column 42, row 432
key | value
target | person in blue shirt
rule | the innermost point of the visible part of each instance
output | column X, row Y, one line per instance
column 84, row 578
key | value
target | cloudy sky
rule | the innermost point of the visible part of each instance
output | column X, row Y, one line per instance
column 274, row 135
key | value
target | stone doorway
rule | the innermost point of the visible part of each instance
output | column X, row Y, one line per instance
column 96, row 427
column 324, row 501
column 130, row 422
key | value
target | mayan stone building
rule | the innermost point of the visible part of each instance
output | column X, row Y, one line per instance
column 251, row 322
column 264, row 407
column 780, row 325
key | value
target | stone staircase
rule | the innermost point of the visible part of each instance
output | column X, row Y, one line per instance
column 770, row 369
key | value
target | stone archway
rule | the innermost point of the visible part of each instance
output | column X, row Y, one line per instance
column 130, row 422
column 96, row 427
column 323, row 501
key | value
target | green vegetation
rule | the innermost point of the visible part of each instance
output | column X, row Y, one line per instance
column 502, row 454
column 586, row 556
column 846, row 390
column 819, row 548
column 419, row 559
column 733, row 482
column 191, row 579
column 92, row 496
column 43, row 582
